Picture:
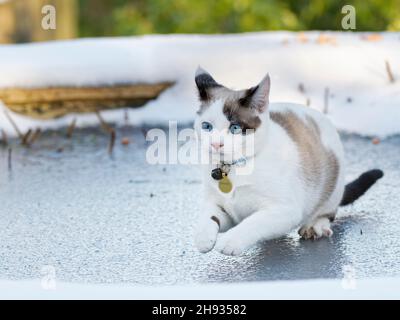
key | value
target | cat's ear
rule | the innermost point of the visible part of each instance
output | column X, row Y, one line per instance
column 257, row 97
column 205, row 83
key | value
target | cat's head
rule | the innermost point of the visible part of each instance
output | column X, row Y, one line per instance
column 230, row 121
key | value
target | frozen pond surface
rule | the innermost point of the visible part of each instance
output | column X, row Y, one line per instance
column 101, row 219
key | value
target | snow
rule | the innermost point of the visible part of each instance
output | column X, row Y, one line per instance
column 362, row 99
column 383, row 288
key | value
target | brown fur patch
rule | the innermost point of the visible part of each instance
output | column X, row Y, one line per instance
column 233, row 109
column 244, row 116
column 236, row 108
column 205, row 83
column 315, row 159
column 214, row 94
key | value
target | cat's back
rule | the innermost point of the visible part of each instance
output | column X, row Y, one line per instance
column 304, row 123
column 315, row 137
column 320, row 153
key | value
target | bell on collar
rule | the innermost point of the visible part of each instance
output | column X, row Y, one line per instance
column 216, row 174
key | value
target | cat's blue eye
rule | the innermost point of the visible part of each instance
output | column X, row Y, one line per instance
column 206, row 126
column 235, row 129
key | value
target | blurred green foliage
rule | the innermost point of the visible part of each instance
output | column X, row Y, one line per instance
column 130, row 17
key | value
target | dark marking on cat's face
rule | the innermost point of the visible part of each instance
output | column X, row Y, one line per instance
column 205, row 83
column 244, row 116
column 240, row 107
column 245, row 101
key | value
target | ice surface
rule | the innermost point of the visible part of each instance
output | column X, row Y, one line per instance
column 101, row 219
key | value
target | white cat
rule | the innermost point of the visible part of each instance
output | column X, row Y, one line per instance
column 295, row 176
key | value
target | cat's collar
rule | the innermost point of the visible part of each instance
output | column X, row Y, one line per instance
column 224, row 168
column 239, row 162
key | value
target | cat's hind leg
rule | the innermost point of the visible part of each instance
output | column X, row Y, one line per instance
column 319, row 227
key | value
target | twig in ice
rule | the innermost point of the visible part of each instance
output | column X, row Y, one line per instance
column 112, row 142
column 71, row 128
column 108, row 129
column 35, row 136
column 19, row 133
column 301, row 88
column 104, row 124
column 9, row 159
column 389, row 72
column 25, row 138
column 144, row 132
column 126, row 115
column 326, row 100
column 4, row 138
column 308, row 102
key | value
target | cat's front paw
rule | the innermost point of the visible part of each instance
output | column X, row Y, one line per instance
column 230, row 245
column 206, row 236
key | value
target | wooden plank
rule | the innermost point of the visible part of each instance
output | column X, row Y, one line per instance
column 47, row 103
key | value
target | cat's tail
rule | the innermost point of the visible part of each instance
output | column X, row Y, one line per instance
column 358, row 187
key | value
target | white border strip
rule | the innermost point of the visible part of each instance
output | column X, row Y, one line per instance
column 384, row 288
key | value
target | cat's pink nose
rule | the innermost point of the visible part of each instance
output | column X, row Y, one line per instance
column 217, row 145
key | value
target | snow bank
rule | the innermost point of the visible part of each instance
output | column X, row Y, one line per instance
column 302, row 66
column 386, row 288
